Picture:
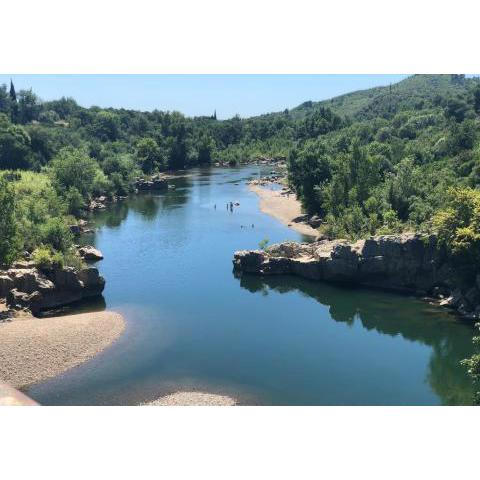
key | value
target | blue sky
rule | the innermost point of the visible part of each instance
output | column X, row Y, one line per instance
column 192, row 95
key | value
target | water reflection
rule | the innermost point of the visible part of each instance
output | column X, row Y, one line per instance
column 413, row 320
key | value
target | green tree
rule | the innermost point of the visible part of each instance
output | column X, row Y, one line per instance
column 8, row 228
column 74, row 168
column 148, row 155
column 458, row 225
column 106, row 126
column 28, row 106
column 15, row 152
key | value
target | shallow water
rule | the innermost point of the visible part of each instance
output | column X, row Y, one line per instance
column 273, row 341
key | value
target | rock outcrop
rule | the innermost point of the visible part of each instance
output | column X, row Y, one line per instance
column 35, row 290
column 409, row 263
column 157, row 182
column 90, row 254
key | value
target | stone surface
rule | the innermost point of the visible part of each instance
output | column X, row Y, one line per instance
column 90, row 254
column 155, row 183
column 37, row 291
column 407, row 262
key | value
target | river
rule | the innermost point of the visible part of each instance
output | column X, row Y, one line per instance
column 191, row 324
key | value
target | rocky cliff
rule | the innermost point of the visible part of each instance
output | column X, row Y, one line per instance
column 409, row 263
column 26, row 287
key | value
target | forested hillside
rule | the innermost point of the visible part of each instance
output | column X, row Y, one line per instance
column 379, row 160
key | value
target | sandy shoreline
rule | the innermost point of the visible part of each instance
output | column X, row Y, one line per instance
column 282, row 208
column 190, row 399
column 34, row 349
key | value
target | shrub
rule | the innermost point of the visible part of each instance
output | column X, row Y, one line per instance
column 8, row 227
column 45, row 258
column 263, row 244
column 56, row 233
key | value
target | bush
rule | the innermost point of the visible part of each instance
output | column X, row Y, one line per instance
column 263, row 243
column 458, row 225
column 8, row 226
column 45, row 258
column 55, row 232
column 75, row 202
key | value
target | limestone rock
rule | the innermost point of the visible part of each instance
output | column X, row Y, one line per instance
column 90, row 254
column 406, row 262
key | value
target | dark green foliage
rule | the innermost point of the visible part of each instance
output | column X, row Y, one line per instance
column 74, row 168
column 391, row 173
column 148, row 154
column 8, row 228
column 56, row 233
column 15, row 145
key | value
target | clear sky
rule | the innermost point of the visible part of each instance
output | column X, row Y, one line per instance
column 193, row 95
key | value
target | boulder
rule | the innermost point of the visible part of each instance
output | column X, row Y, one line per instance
column 6, row 284
column 90, row 254
column 248, row 260
column 22, row 300
column 29, row 288
column 301, row 218
column 29, row 280
column 93, row 283
column 315, row 221
column 155, row 183
column 66, row 279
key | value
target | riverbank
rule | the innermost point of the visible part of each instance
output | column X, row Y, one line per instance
column 284, row 208
column 192, row 399
column 35, row 349
column 408, row 263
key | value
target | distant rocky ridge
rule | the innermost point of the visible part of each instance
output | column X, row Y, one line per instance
column 409, row 263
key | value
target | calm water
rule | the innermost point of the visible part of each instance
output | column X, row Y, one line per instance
column 274, row 341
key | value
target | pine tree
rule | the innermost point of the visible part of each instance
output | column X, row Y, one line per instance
column 13, row 103
column 214, row 114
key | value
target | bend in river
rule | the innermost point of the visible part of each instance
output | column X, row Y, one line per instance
column 274, row 341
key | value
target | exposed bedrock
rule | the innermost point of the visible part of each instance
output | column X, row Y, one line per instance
column 410, row 263
column 38, row 290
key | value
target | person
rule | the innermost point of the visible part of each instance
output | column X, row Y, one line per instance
column 215, row 206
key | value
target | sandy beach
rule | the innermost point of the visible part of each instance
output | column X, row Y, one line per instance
column 282, row 207
column 34, row 349
column 190, row 399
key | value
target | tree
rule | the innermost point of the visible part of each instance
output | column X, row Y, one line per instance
column 8, row 230
column 13, row 103
column 4, row 100
column 28, row 106
column 106, row 126
column 456, row 109
column 74, row 168
column 458, row 225
column 148, row 155
column 205, row 149
column 15, row 152
column 476, row 99
column 308, row 169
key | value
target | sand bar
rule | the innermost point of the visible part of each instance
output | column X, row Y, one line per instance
column 282, row 207
column 191, row 399
column 34, row 349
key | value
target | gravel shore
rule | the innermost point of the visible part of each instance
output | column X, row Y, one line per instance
column 193, row 399
column 283, row 208
column 34, row 349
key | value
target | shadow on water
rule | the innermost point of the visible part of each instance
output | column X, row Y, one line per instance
column 449, row 337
